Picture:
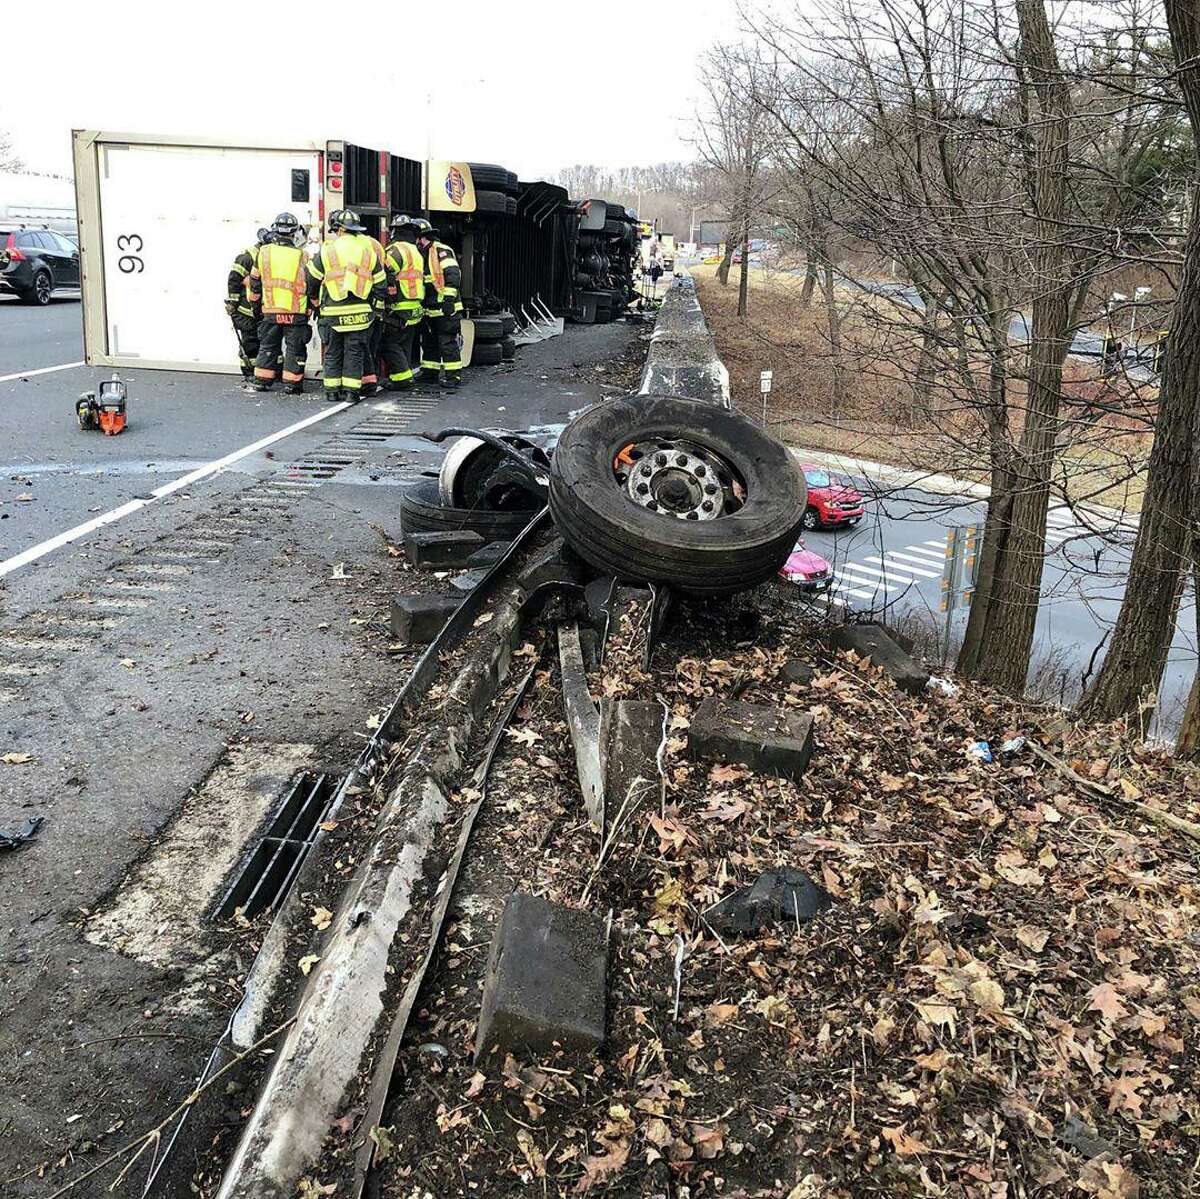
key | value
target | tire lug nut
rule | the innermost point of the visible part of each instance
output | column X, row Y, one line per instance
column 681, row 460
column 652, row 505
column 700, row 470
column 660, row 459
column 710, row 489
column 692, row 516
column 643, row 489
column 706, row 506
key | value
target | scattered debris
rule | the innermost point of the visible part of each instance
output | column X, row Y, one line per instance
column 775, row 897
column 26, row 832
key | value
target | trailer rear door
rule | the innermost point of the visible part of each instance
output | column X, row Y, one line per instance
column 160, row 221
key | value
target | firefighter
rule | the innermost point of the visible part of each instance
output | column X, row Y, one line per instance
column 441, row 354
column 245, row 315
column 346, row 280
column 406, row 290
column 279, row 284
column 375, row 341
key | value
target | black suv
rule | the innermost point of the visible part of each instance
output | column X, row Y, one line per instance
column 35, row 262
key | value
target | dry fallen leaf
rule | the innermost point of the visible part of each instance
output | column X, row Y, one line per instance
column 1106, row 1001
column 902, row 1143
column 532, row 1154
column 475, row 1087
column 600, row 1167
column 308, row 962
column 321, row 918
column 1032, row 937
column 16, row 759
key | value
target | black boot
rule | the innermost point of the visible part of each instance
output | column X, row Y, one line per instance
column 293, row 389
column 451, row 380
column 259, row 385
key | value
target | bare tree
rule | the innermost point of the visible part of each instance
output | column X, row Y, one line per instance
column 735, row 137
column 1168, row 536
column 10, row 160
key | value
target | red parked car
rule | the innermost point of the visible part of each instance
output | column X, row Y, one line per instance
column 809, row 571
column 832, row 500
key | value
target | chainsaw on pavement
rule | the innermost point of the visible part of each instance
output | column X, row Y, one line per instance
column 104, row 408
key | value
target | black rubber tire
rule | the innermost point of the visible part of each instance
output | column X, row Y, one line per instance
column 39, row 294
column 508, row 348
column 491, row 202
column 618, row 537
column 420, row 512
column 614, row 228
column 616, row 212
column 492, row 177
column 488, row 328
column 512, row 206
column 508, row 322
column 487, row 354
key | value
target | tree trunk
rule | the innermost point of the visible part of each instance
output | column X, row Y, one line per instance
column 998, row 518
column 1145, row 626
column 1008, row 643
column 810, row 277
column 726, row 263
column 835, row 337
column 744, row 281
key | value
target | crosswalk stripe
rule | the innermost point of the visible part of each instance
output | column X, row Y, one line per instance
column 930, row 562
column 888, row 563
column 925, row 555
column 858, row 592
column 940, row 544
column 885, row 575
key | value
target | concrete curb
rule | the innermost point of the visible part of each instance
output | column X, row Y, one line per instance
column 682, row 359
column 344, row 1005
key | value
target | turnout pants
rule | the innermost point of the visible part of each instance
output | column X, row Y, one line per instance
column 440, row 350
column 292, row 340
column 399, row 347
column 374, row 342
column 246, row 328
column 345, row 357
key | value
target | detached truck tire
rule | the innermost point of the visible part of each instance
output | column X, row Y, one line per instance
column 664, row 490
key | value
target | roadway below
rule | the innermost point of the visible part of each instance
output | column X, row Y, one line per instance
column 892, row 564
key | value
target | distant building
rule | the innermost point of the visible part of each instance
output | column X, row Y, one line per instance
column 40, row 200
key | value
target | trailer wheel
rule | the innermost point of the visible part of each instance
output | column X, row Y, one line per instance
column 488, row 354
column 508, row 348
column 492, row 176
column 490, row 201
column 658, row 489
column 508, row 323
column 420, row 512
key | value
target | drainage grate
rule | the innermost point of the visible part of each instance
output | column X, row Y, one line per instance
column 269, row 870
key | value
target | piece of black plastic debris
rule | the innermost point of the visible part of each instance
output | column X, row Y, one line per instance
column 26, row 832
column 776, row 896
column 1081, row 1136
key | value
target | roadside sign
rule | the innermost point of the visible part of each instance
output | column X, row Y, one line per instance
column 961, row 569
column 764, row 381
column 958, row 575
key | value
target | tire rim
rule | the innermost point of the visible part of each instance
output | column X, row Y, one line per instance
column 679, row 479
column 810, row 519
column 42, row 285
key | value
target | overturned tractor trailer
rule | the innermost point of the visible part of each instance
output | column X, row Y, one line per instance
column 161, row 219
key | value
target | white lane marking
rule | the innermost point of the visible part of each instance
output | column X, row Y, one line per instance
column 107, row 518
column 888, row 563
column 41, row 370
column 940, row 544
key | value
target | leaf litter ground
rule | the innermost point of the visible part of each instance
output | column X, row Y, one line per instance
column 1002, row 1001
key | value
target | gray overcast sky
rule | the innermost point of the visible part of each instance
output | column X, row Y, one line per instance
column 534, row 84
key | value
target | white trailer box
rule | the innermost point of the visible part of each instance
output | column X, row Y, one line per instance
column 160, row 221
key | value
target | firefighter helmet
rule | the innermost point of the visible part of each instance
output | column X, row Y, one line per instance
column 347, row 219
column 285, row 225
column 403, row 221
column 263, row 236
column 424, row 228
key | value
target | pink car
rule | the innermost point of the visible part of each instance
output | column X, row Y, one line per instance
column 807, row 570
